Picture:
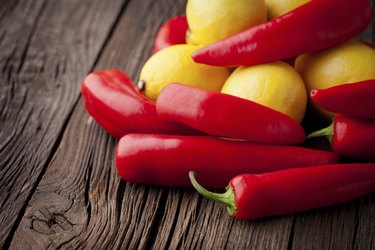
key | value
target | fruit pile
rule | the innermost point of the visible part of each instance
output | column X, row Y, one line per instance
column 223, row 97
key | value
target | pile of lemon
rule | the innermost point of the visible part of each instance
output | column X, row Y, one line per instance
column 279, row 85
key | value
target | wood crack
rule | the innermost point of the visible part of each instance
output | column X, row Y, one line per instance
column 291, row 234
column 174, row 223
column 119, row 198
column 229, row 231
column 356, row 226
column 87, row 189
column 156, row 222
column 9, row 59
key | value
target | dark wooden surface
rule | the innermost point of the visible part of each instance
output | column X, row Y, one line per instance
column 59, row 186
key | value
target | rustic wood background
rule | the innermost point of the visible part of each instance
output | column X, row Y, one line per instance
column 59, row 186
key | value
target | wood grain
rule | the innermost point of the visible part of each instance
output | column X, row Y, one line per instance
column 80, row 201
column 59, row 176
column 44, row 54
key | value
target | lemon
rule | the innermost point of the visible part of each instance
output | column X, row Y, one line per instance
column 277, row 8
column 275, row 85
column 191, row 38
column 174, row 64
column 213, row 20
column 350, row 62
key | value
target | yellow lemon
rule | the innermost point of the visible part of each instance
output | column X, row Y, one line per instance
column 277, row 8
column 350, row 62
column 213, row 20
column 275, row 85
column 174, row 64
column 191, row 39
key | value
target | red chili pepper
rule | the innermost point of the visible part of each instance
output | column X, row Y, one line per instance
column 316, row 25
column 353, row 99
column 350, row 137
column 114, row 102
column 368, row 44
column 171, row 33
column 226, row 115
column 252, row 196
column 167, row 159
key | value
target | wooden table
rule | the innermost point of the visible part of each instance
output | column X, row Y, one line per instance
column 59, row 186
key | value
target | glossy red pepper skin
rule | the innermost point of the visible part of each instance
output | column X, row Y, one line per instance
column 354, row 138
column 294, row 190
column 113, row 101
column 228, row 116
column 166, row 160
column 353, row 99
column 171, row 33
column 314, row 26
column 350, row 137
column 253, row 196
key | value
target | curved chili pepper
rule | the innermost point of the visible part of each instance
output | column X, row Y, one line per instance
column 171, row 33
column 113, row 101
column 252, row 196
column 316, row 25
column 353, row 99
column 226, row 115
column 350, row 137
column 368, row 44
column 167, row 159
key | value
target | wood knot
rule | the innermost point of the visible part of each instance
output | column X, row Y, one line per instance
column 47, row 222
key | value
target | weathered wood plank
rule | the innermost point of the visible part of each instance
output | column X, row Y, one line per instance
column 46, row 47
column 329, row 228
column 191, row 222
column 77, row 202
column 365, row 224
column 81, row 202
column 345, row 226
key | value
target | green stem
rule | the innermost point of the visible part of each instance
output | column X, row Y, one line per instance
column 226, row 198
column 327, row 132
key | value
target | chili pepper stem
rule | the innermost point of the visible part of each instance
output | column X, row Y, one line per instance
column 327, row 132
column 226, row 198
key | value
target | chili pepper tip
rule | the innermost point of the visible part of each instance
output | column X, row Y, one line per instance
column 313, row 92
column 226, row 198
